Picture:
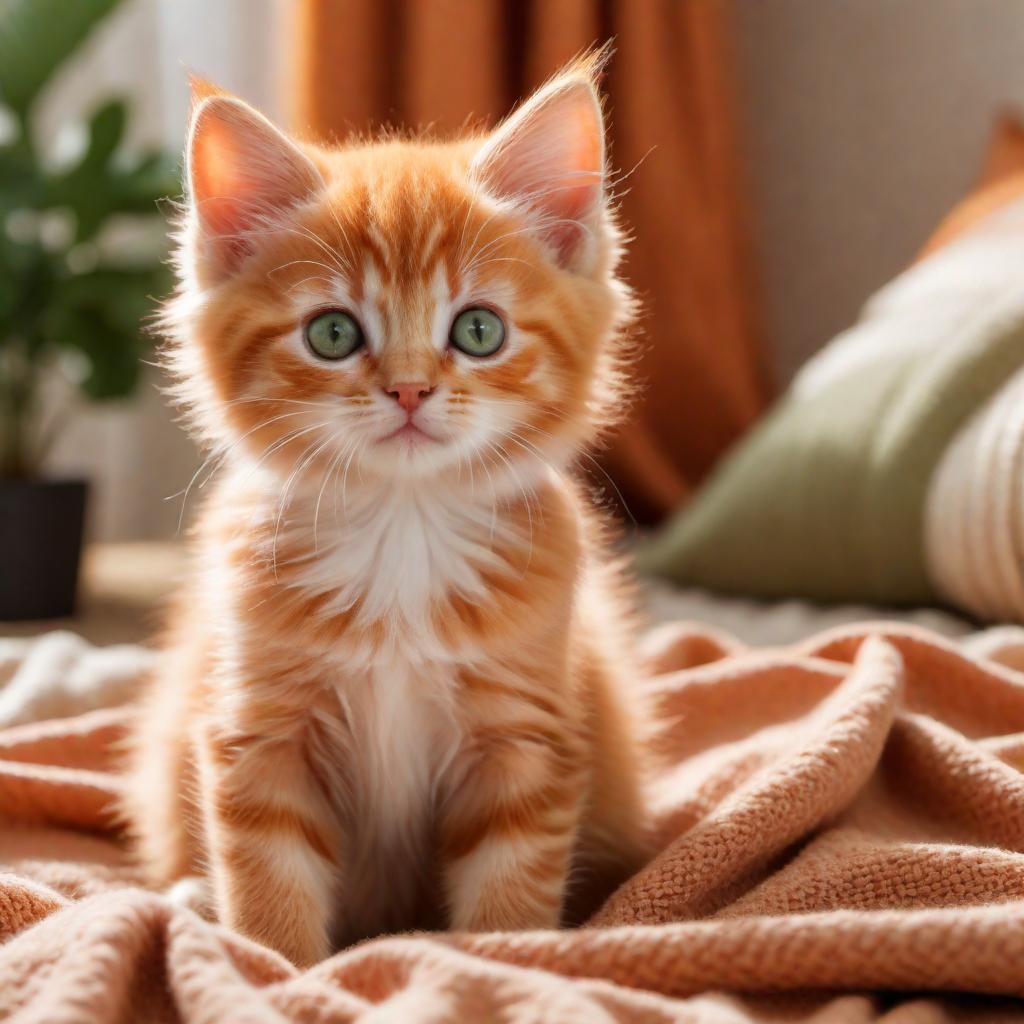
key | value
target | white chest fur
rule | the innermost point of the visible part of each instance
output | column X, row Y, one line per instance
column 395, row 552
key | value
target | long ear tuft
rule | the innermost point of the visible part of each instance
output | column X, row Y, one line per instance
column 202, row 89
column 242, row 174
column 549, row 158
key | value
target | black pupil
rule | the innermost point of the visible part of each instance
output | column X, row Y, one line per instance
column 335, row 330
column 478, row 330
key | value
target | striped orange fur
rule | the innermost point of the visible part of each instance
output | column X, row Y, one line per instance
column 395, row 689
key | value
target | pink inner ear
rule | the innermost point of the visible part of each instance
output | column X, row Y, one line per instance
column 242, row 171
column 218, row 192
column 550, row 158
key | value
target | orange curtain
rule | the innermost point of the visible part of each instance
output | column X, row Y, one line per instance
column 360, row 63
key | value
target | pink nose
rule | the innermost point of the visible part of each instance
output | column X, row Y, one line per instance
column 409, row 396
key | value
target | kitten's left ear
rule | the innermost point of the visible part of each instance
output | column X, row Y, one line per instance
column 548, row 157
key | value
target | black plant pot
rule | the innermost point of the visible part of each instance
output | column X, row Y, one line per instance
column 41, row 525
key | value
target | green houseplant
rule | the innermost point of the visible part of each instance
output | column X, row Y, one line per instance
column 68, row 303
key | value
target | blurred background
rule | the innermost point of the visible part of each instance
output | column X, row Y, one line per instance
column 780, row 161
column 792, row 157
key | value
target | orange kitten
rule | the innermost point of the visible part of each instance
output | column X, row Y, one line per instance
column 396, row 692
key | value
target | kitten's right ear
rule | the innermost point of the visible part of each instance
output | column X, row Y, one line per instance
column 242, row 173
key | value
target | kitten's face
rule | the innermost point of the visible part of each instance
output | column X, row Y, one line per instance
column 402, row 310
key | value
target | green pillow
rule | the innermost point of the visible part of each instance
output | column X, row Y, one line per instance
column 825, row 498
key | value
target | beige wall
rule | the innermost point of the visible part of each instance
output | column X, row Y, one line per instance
column 865, row 121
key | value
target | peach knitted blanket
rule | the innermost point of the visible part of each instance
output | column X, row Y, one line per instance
column 841, row 827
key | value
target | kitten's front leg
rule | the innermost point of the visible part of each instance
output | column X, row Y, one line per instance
column 508, row 831
column 272, row 850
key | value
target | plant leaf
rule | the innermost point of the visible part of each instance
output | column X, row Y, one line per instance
column 20, row 182
column 100, row 184
column 36, row 37
column 106, row 129
column 100, row 314
column 111, row 355
column 84, row 187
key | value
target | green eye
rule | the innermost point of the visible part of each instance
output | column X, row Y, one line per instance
column 477, row 332
column 333, row 335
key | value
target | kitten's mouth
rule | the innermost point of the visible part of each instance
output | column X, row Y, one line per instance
column 410, row 434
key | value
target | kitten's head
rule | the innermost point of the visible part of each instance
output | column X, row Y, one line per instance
column 402, row 308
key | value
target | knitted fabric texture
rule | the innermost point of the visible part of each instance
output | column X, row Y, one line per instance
column 840, row 826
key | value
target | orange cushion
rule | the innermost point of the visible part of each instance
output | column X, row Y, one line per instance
column 1001, row 182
